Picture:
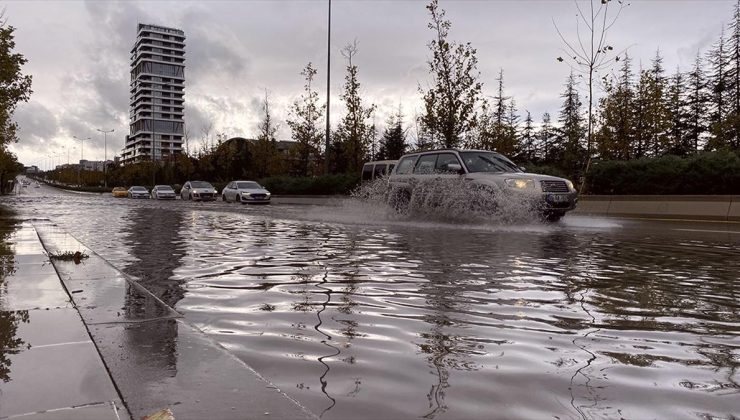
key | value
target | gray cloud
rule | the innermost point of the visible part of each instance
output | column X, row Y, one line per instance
column 80, row 61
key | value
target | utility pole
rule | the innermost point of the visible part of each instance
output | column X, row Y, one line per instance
column 105, row 156
column 328, row 89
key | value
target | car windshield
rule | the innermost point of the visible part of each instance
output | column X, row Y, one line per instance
column 138, row 189
column 488, row 162
column 248, row 185
column 164, row 188
column 200, row 184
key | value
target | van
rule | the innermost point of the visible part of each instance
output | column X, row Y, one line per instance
column 377, row 169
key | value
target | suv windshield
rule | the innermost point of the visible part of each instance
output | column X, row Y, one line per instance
column 200, row 184
column 488, row 162
column 248, row 185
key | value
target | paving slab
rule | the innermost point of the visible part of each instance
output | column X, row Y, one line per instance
column 25, row 330
column 52, row 377
column 106, row 411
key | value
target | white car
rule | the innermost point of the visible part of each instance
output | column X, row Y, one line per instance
column 138, row 192
column 198, row 191
column 246, row 192
column 163, row 192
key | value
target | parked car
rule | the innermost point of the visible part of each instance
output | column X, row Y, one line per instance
column 120, row 192
column 484, row 168
column 198, row 191
column 377, row 169
column 163, row 192
column 245, row 192
column 138, row 191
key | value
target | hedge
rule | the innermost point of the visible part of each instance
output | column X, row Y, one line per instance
column 318, row 185
column 704, row 173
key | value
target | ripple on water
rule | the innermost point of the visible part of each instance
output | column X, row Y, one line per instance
column 361, row 315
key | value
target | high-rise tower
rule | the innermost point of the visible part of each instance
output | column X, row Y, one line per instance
column 157, row 88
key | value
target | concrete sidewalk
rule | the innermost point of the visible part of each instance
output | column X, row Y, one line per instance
column 84, row 341
column 49, row 366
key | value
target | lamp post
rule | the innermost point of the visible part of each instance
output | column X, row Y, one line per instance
column 105, row 156
column 79, row 170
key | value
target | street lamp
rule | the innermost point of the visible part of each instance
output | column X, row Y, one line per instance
column 82, row 144
column 79, row 170
column 105, row 156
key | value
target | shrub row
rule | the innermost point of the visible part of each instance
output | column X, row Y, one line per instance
column 318, row 185
column 704, row 173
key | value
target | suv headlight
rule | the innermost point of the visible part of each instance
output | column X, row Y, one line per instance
column 571, row 188
column 520, row 184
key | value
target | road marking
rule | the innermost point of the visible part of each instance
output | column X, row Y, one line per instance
column 710, row 231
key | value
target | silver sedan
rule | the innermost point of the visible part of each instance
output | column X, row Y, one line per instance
column 246, row 192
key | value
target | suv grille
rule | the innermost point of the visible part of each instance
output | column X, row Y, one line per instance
column 554, row 186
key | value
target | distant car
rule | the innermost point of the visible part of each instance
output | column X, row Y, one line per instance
column 377, row 169
column 163, row 192
column 246, row 192
column 198, row 191
column 120, row 192
column 138, row 192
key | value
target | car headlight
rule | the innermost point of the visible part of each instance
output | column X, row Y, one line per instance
column 571, row 188
column 520, row 184
column 267, row 194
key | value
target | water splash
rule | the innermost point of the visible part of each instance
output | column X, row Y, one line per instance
column 449, row 200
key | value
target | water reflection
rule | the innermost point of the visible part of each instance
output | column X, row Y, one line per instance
column 155, row 242
column 9, row 320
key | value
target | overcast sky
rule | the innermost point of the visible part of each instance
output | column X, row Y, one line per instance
column 78, row 53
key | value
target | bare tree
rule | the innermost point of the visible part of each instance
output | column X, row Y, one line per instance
column 590, row 53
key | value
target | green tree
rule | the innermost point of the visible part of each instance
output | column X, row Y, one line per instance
column 657, row 119
column 265, row 158
column 718, row 83
column 450, row 105
column 616, row 119
column 678, row 139
column 697, row 101
column 393, row 144
column 498, row 130
column 304, row 123
column 733, row 81
column 525, row 151
column 571, row 132
column 354, row 132
column 14, row 88
column 545, row 139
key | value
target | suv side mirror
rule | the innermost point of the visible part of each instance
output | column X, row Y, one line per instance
column 454, row 167
column 523, row 169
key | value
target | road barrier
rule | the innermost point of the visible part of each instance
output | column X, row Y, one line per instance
column 724, row 208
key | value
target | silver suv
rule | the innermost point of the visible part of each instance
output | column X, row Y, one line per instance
column 555, row 196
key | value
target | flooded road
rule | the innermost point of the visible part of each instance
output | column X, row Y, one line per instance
column 359, row 315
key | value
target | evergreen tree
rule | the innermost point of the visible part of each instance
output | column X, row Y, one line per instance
column 572, row 130
column 657, row 120
column 393, row 143
column 305, row 116
column 527, row 145
column 697, row 102
column 733, row 81
column 545, row 139
column 718, row 83
column 450, row 104
column 641, row 126
column 678, row 143
column 354, row 131
column 616, row 129
column 499, row 129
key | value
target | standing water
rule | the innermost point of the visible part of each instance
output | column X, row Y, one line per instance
column 358, row 312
